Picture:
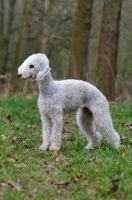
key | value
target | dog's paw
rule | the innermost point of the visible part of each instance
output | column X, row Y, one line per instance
column 117, row 144
column 43, row 147
column 90, row 146
column 96, row 141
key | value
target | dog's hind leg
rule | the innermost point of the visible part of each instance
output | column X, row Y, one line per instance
column 86, row 124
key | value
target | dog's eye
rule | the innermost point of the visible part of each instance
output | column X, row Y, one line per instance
column 31, row 66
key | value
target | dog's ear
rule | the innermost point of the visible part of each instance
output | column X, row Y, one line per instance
column 42, row 73
column 46, row 71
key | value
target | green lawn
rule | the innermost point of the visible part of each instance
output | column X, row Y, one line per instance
column 75, row 173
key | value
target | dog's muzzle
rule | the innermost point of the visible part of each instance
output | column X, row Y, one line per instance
column 19, row 75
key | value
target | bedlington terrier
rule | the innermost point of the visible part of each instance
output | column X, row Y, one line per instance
column 57, row 98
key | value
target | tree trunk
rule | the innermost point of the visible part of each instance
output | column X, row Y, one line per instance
column 78, row 61
column 6, row 18
column 106, row 67
column 30, row 37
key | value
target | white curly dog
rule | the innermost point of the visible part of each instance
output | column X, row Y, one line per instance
column 57, row 98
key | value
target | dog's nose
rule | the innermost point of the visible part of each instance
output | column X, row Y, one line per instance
column 19, row 75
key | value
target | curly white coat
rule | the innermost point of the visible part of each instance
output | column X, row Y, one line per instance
column 57, row 98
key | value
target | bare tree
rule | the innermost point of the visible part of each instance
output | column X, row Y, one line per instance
column 106, row 67
column 78, row 61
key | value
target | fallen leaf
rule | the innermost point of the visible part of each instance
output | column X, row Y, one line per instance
column 66, row 130
column 126, row 147
column 129, row 126
column 66, row 121
column 3, row 184
column 2, row 187
column 124, row 136
column 13, row 158
column 4, row 138
column 20, row 165
column 130, row 140
column 61, row 183
column 8, row 119
column 92, row 160
column 14, row 185
column 16, row 140
column 60, row 158
column 33, row 126
column 27, row 146
column 32, row 192
column 74, row 179
column 23, row 183
column 55, row 152
column 115, row 185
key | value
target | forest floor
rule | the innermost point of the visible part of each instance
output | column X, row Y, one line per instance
column 75, row 173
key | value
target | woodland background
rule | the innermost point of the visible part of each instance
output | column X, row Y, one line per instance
column 83, row 39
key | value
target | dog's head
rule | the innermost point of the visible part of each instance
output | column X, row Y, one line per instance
column 35, row 67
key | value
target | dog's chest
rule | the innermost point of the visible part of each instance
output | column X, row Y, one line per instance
column 47, row 105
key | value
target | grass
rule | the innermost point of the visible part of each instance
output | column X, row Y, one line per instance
column 74, row 174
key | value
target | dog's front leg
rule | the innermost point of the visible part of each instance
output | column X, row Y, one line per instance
column 46, row 131
column 57, row 126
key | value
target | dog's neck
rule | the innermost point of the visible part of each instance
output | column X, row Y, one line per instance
column 47, row 86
